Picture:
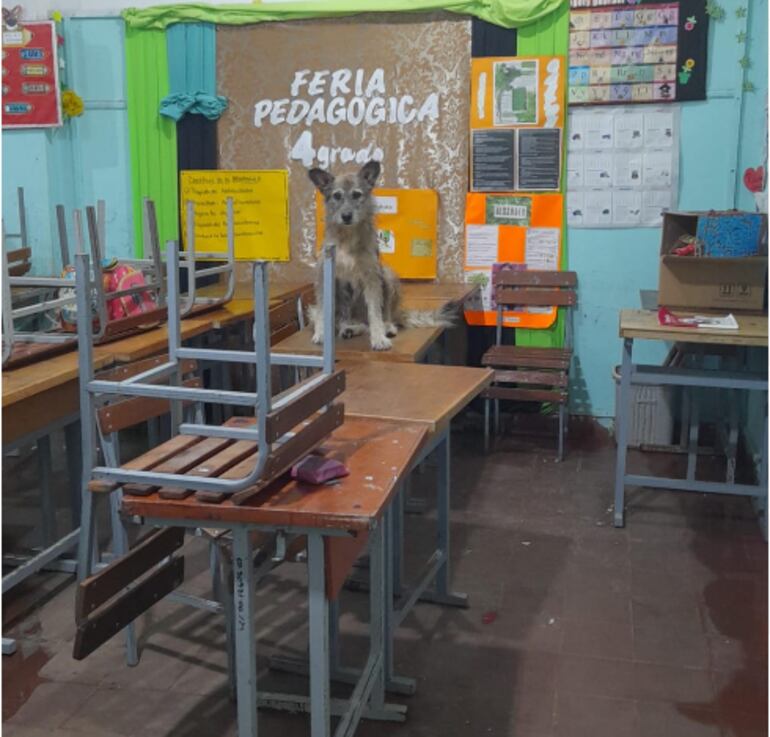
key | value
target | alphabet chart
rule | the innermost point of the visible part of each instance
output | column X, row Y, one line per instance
column 649, row 52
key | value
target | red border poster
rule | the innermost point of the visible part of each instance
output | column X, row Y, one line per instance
column 31, row 76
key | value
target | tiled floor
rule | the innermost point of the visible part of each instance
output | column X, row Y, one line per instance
column 575, row 628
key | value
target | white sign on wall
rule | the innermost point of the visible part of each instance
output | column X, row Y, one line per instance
column 622, row 166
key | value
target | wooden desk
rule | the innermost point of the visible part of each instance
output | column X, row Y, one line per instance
column 430, row 296
column 152, row 342
column 641, row 324
column 278, row 291
column 417, row 393
column 378, row 455
column 409, row 346
column 752, row 329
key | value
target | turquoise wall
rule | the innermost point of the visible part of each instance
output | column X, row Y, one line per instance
column 84, row 160
column 88, row 159
column 719, row 138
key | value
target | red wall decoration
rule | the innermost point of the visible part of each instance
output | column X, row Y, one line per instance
column 31, row 76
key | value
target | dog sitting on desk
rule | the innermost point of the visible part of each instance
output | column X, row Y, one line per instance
column 368, row 295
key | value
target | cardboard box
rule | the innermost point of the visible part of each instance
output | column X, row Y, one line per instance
column 707, row 283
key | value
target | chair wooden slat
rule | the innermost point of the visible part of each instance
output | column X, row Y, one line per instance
column 514, row 358
column 283, row 420
column 536, row 278
column 148, row 460
column 120, row 573
column 126, row 371
column 182, row 462
column 546, row 378
column 147, row 319
column 535, row 297
column 214, row 466
column 129, row 412
column 525, row 395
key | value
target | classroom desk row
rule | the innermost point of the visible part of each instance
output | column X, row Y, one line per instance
column 42, row 398
column 386, row 434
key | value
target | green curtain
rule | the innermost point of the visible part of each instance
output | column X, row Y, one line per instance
column 547, row 37
column 508, row 13
column 152, row 137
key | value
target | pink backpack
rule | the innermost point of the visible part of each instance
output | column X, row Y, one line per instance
column 124, row 276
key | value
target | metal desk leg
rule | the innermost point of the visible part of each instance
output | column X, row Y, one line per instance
column 119, row 549
column 442, row 594
column 621, row 431
column 692, row 444
column 245, row 640
column 48, row 509
column 763, row 474
column 74, row 467
column 9, row 646
column 318, row 606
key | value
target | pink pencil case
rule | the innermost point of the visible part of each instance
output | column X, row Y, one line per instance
column 318, row 470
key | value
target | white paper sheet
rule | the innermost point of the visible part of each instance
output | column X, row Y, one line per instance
column 627, row 170
column 598, row 130
column 626, row 207
column 629, row 130
column 657, row 169
column 542, row 248
column 598, row 208
column 482, row 299
column 631, row 154
column 575, row 163
column 658, row 129
column 575, row 207
column 481, row 242
column 598, row 170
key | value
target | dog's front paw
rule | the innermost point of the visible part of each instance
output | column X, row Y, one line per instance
column 318, row 338
column 391, row 330
column 381, row 344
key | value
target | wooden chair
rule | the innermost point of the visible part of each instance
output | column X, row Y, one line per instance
column 538, row 374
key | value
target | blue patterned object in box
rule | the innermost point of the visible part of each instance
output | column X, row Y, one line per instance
column 730, row 234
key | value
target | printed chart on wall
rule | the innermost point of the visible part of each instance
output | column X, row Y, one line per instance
column 30, row 76
column 622, row 166
column 260, row 212
column 517, row 120
column 510, row 231
column 406, row 223
column 651, row 52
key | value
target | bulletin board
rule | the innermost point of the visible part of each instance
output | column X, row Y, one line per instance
column 406, row 230
column 651, row 52
column 519, row 231
column 517, row 122
column 260, row 212
column 337, row 92
column 31, row 76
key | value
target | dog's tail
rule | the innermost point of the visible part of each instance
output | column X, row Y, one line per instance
column 444, row 317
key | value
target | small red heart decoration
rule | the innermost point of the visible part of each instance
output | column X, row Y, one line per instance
column 754, row 179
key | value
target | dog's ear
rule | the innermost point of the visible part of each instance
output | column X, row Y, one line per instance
column 369, row 173
column 322, row 179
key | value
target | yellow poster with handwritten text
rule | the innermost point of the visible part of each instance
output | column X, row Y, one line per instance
column 260, row 212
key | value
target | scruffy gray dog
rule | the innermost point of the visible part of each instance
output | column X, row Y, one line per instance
column 367, row 292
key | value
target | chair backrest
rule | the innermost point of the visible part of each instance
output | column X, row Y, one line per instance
column 536, row 288
column 19, row 261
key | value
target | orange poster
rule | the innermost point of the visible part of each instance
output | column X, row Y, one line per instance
column 517, row 121
column 406, row 230
column 518, row 231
